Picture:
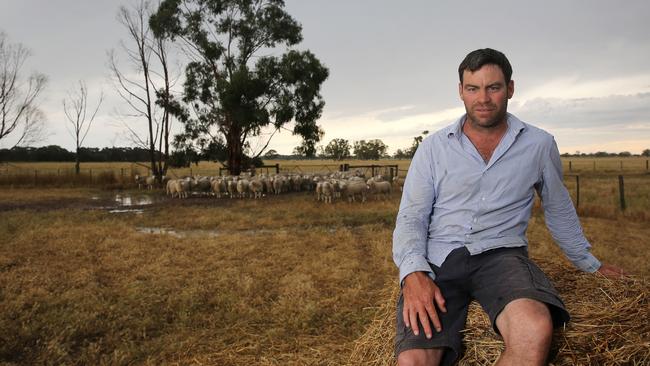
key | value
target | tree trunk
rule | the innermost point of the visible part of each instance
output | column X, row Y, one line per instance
column 76, row 162
column 234, row 153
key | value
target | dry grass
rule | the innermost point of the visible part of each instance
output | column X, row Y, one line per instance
column 282, row 281
column 608, row 326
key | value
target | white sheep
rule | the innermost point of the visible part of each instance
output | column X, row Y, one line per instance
column 377, row 188
column 327, row 191
column 355, row 188
column 256, row 188
column 218, row 187
column 243, row 186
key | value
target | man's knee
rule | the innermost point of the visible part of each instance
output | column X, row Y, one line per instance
column 420, row 357
column 527, row 324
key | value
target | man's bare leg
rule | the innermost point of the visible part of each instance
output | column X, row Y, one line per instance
column 420, row 357
column 527, row 328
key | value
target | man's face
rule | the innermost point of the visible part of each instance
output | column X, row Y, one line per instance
column 486, row 95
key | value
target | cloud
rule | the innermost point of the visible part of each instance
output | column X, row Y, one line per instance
column 613, row 111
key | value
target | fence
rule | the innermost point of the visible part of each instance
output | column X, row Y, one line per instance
column 624, row 192
column 606, row 165
column 629, row 191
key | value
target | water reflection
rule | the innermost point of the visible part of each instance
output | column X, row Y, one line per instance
column 128, row 200
column 211, row 233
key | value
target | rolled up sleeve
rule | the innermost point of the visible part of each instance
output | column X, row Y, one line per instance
column 412, row 224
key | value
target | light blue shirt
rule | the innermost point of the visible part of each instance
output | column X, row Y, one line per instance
column 452, row 198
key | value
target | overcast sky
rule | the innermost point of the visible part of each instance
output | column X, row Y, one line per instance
column 581, row 68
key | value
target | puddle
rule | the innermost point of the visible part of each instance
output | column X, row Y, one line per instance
column 203, row 233
column 124, row 203
column 128, row 200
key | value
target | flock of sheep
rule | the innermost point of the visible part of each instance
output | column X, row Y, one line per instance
column 350, row 186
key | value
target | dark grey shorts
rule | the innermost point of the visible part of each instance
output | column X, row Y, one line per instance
column 494, row 278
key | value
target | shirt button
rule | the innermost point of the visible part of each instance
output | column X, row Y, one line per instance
column 475, row 220
column 482, row 198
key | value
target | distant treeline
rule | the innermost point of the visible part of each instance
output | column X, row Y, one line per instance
column 177, row 158
column 86, row 154
column 603, row 154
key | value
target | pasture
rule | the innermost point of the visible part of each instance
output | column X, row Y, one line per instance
column 284, row 280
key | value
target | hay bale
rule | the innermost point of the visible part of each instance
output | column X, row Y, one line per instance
column 609, row 324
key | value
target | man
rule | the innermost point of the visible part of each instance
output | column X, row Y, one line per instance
column 460, row 231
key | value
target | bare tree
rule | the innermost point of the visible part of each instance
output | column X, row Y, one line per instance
column 149, row 94
column 18, row 97
column 76, row 111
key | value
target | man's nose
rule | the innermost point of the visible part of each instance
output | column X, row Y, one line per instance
column 483, row 96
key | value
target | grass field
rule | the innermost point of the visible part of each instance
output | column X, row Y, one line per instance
column 279, row 281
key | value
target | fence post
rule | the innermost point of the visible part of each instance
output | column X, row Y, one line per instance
column 621, row 190
column 646, row 164
column 277, row 168
column 570, row 167
column 577, row 190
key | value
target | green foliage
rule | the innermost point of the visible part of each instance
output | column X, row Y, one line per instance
column 231, row 92
column 402, row 154
column 271, row 154
column 646, row 152
column 370, row 150
column 337, row 149
column 86, row 154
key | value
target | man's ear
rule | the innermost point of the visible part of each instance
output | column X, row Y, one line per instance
column 511, row 88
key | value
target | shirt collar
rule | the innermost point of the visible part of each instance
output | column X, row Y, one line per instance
column 515, row 126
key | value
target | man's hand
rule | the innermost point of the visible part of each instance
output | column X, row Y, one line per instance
column 611, row 271
column 420, row 292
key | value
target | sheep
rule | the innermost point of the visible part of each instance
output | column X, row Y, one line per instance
column 150, row 181
column 170, row 190
column 243, row 186
column 268, row 185
column 278, row 184
column 256, row 187
column 382, row 187
column 327, row 191
column 355, row 188
column 180, row 186
column 139, row 180
column 399, row 182
column 218, row 187
column 232, row 188
column 201, row 185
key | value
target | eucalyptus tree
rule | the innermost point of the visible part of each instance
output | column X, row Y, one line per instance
column 244, row 78
column 338, row 149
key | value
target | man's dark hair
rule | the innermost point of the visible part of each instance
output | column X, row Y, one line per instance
column 485, row 56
